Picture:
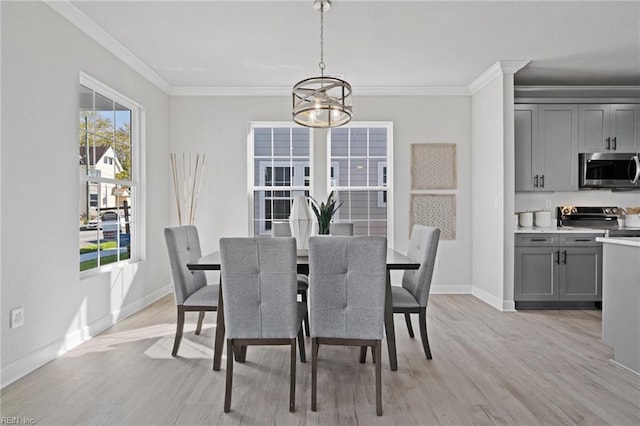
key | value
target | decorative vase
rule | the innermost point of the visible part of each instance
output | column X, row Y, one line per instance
column 301, row 222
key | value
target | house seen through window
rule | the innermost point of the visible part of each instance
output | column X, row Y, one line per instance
column 359, row 171
column 107, row 177
column 281, row 172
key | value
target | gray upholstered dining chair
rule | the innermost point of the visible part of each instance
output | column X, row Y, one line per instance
column 341, row 228
column 283, row 229
column 189, row 287
column 259, row 292
column 346, row 298
column 413, row 296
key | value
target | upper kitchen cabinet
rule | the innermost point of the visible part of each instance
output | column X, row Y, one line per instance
column 609, row 127
column 546, row 147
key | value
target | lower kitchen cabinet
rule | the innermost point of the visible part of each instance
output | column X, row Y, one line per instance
column 556, row 270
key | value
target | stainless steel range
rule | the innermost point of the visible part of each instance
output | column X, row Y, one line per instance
column 605, row 218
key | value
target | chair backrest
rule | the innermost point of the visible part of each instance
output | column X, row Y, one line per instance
column 422, row 248
column 183, row 246
column 347, row 286
column 341, row 228
column 280, row 229
column 259, row 287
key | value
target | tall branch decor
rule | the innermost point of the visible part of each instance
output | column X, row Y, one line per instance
column 186, row 171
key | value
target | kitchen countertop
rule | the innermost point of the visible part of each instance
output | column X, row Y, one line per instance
column 558, row 230
column 623, row 241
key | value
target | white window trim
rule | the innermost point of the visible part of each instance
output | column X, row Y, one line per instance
column 138, row 190
column 390, row 167
column 251, row 187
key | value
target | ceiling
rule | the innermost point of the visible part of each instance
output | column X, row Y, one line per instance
column 385, row 44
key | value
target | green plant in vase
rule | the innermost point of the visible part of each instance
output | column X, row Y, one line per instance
column 324, row 212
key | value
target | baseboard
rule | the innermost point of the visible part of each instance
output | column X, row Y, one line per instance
column 491, row 300
column 450, row 289
column 37, row 359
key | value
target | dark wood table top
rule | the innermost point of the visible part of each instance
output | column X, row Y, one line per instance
column 211, row 262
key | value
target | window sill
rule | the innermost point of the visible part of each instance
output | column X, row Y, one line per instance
column 107, row 268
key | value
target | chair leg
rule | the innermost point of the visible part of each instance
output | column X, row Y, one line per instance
column 200, row 320
column 423, row 331
column 314, row 372
column 377, row 349
column 306, row 316
column 179, row 328
column 407, row 318
column 227, row 389
column 292, row 378
column 303, row 355
column 363, row 354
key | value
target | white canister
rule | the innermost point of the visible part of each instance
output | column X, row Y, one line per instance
column 542, row 218
column 525, row 219
column 633, row 221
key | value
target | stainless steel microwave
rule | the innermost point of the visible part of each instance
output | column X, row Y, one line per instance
column 609, row 170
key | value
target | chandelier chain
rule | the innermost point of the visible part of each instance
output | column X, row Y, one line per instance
column 321, row 64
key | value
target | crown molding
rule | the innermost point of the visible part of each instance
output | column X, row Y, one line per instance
column 577, row 92
column 498, row 69
column 100, row 36
column 286, row 91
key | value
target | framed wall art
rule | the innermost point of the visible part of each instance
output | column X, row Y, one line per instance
column 438, row 210
column 433, row 166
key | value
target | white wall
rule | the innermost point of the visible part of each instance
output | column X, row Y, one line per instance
column 42, row 55
column 217, row 127
column 487, row 174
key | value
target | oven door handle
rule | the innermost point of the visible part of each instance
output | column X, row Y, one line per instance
column 634, row 160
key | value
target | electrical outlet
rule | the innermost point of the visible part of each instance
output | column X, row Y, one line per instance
column 547, row 204
column 17, row 317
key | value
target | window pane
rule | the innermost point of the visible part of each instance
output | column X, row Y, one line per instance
column 281, row 142
column 358, row 143
column 377, row 172
column 344, row 212
column 122, row 164
column 340, row 172
column 377, row 142
column 358, row 172
column 300, row 141
column 262, row 142
column 339, row 142
column 378, row 228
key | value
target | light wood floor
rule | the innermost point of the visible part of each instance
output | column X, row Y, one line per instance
column 488, row 367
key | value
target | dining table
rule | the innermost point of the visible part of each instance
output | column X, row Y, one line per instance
column 395, row 261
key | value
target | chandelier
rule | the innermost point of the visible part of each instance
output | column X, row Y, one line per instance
column 322, row 101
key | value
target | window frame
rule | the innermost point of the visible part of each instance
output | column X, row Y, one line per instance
column 136, row 182
column 251, row 158
column 388, row 125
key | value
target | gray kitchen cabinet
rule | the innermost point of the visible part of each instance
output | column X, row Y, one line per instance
column 557, row 268
column 546, row 147
column 609, row 128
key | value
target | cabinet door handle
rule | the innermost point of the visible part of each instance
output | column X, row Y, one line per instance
column 557, row 257
column 539, row 239
column 586, row 240
column 535, row 181
column 614, row 146
column 608, row 143
column 541, row 181
column 564, row 257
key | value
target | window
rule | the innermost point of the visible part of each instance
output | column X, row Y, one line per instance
column 281, row 171
column 108, row 155
column 360, row 173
